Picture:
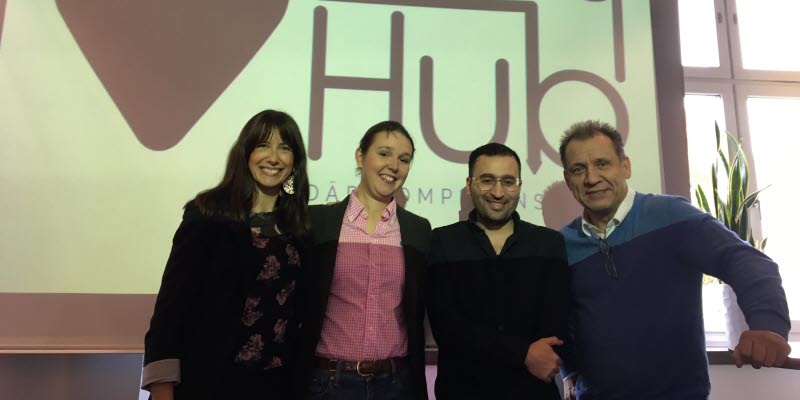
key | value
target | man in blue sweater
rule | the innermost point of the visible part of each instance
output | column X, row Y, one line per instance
column 637, row 262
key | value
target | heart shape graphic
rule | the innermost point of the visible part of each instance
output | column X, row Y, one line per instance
column 2, row 17
column 165, row 62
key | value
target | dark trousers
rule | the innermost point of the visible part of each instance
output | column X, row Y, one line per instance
column 346, row 385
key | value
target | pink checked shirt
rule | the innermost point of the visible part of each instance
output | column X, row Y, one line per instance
column 364, row 319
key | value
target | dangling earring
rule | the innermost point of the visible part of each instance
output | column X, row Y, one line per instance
column 288, row 184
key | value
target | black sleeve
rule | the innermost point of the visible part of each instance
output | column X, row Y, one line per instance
column 556, row 303
column 179, row 288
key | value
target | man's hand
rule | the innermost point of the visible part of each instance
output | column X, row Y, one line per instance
column 761, row 348
column 541, row 361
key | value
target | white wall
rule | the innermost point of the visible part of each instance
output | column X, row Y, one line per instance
column 729, row 383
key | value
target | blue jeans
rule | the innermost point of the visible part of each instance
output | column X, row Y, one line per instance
column 342, row 385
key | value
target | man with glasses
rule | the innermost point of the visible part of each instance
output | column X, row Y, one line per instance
column 637, row 263
column 498, row 297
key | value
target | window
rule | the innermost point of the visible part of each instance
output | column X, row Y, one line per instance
column 768, row 34
column 741, row 69
column 698, row 28
column 703, row 110
column 704, row 38
column 774, row 147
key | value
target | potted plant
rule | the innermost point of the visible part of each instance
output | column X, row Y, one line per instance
column 731, row 209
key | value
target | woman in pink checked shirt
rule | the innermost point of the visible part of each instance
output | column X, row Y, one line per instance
column 362, row 331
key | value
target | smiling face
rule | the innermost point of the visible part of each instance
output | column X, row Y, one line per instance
column 494, row 207
column 384, row 166
column 271, row 163
column 597, row 177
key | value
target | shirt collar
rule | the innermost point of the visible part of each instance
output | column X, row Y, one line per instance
column 622, row 211
column 356, row 209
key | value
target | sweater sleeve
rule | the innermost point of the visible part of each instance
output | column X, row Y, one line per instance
column 754, row 277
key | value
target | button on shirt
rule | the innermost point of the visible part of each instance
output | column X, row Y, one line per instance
column 364, row 318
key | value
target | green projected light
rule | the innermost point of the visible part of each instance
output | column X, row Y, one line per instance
column 114, row 115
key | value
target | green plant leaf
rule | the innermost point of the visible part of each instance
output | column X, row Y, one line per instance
column 724, row 161
column 701, row 199
column 731, row 208
column 735, row 189
column 751, row 199
column 715, row 190
column 743, row 227
column 724, row 217
column 744, row 169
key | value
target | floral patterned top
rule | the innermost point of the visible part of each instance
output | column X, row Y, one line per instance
column 269, row 317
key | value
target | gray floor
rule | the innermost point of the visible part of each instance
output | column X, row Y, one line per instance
column 70, row 376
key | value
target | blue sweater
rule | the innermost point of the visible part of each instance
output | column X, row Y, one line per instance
column 641, row 336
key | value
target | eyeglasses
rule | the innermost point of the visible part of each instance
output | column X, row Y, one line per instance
column 611, row 268
column 486, row 183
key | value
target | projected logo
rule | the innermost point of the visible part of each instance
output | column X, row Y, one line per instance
column 165, row 63
column 535, row 89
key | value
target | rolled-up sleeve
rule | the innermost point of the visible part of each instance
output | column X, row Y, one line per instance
column 167, row 370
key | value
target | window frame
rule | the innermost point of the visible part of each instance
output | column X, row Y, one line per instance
column 715, row 88
column 737, row 60
column 723, row 49
column 735, row 84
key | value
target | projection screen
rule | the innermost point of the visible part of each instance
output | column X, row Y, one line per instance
column 115, row 113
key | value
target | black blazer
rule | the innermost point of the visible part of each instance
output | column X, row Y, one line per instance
column 199, row 305
column 318, row 266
